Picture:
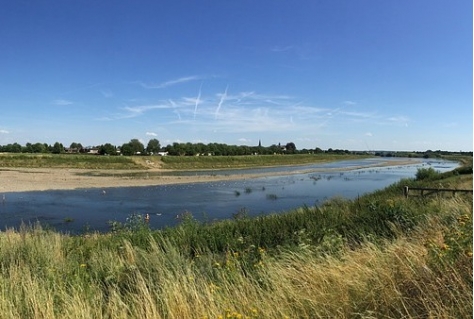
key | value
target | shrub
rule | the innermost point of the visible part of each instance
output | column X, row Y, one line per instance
column 426, row 174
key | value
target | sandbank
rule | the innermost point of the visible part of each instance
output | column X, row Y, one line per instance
column 41, row 179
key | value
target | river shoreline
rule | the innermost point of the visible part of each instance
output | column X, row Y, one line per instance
column 41, row 179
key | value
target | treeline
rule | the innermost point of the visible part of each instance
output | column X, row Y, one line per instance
column 153, row 147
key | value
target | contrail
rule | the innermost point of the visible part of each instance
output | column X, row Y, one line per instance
column 173, row 104
column 223, row 97
column 197, row 101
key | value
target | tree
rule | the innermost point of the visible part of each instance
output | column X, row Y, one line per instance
column 107, row 149
column 76, row 146
column 39, row 148
column 137, row 146
column 153, row 146
column 290, row 148
column 126, row 149
column 58, row 148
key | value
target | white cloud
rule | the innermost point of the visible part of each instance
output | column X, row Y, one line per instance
column 4, row 132
column 368, row 134
column 349, row 103
column 134, row 111
column 171, row 82
column 151, row 134
column 61, row 102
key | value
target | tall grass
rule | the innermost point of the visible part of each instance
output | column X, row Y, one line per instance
column 381, row 256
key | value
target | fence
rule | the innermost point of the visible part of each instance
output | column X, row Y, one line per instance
column 425, row 191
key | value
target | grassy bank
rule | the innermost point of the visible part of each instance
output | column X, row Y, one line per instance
column 380, row 256
column 223, row 162
column 80, row 161
column 84, row 161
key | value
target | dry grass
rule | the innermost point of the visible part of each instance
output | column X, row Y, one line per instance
column 43, row 276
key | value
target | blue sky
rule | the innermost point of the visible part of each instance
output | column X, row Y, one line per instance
column 357, row 75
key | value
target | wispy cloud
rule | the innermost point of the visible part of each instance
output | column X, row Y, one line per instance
column 4, row 132
column 349, row 103
column 198, row 100
column 151, row 134
column 221, row 101
column 107, row 93
column 399, row 120
column 171, row 82
column 61, row 102
column 135, row 111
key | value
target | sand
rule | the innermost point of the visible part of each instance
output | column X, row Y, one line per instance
column 41, row 179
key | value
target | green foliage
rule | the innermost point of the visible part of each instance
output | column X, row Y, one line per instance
column 153, row 146
column 426, row 174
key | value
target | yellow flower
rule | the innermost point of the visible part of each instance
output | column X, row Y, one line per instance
column 83, row 265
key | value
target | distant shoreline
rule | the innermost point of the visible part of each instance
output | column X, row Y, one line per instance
column 42, row 179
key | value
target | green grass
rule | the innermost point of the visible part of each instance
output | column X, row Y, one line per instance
column 223, row 162
column 80, row 161
column 85, row 161
column 379, row 256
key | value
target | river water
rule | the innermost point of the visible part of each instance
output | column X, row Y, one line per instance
column 75, row 211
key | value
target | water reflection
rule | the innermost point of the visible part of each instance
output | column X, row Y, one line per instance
column 92, row 209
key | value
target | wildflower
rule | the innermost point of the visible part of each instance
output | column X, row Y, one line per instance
column 83, row 265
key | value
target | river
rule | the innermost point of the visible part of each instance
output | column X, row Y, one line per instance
column 75, row 211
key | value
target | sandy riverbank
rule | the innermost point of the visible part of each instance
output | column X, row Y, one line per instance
column 40, row 179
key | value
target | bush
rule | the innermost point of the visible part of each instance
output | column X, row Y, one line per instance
column 426, row 174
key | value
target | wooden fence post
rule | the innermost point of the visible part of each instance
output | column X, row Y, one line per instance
column 405, row 191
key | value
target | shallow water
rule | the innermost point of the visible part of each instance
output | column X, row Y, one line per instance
column 91, row 209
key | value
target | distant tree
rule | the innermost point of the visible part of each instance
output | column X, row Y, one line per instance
column 126, row 149
column 76, row 146
column 107, row 149
column 137, row 146
column 28, row 148
column 317, row 150
column 39, row 148
column 290, row 148
column 153, row 146
column 58, row 148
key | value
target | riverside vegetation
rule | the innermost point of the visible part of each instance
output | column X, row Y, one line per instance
column 85, row 161
column 379, row 256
